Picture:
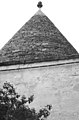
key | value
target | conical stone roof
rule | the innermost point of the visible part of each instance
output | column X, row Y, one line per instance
column 37, row 41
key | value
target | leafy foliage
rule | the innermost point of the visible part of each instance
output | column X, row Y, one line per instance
column 13, row 106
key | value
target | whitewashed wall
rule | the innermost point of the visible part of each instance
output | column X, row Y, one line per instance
column 55, row 85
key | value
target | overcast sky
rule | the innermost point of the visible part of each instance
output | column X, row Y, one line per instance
column 63, row 13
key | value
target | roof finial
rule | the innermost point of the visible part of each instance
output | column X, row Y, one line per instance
column 39, row 5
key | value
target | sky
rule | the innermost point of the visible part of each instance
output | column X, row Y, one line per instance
column 63, row 13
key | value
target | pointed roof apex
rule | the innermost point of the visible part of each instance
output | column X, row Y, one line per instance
column 39, row 5
column 39, row 12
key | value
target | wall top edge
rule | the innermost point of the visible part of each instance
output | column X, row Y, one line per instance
column 36, row 65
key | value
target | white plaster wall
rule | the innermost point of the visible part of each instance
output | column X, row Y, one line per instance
column 55, row 85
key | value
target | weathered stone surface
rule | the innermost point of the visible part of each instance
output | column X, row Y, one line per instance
column 55, row 85
column 38, row 40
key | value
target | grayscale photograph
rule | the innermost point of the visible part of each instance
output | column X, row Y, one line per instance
column 39, row 60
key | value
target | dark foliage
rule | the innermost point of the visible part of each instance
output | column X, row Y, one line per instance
column 13, row 107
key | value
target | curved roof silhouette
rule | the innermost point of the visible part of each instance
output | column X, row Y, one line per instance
column 37, row 41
